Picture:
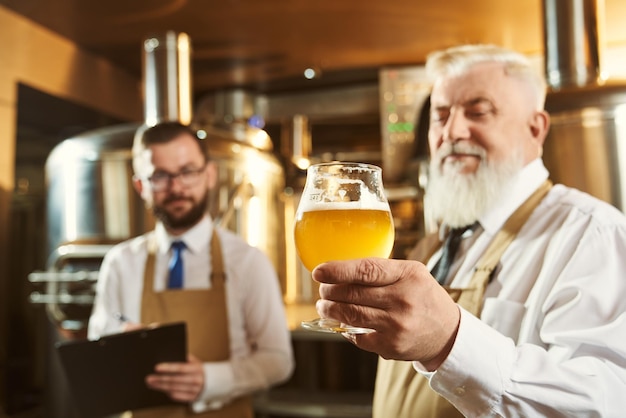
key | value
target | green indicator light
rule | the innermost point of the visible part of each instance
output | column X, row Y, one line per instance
column 401, row 127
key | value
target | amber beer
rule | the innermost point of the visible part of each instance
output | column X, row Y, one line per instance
column 343, row 234
column 343, row 214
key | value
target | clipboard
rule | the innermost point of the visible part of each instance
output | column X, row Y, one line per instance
column 107, row 375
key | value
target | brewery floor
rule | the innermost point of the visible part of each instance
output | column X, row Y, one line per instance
column 31, row 413
column 291, row 405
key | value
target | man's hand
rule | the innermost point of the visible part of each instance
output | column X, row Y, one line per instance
column 132, row 326
column 414, row 317
column 182, row 382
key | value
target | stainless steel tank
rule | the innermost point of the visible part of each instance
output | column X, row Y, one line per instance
column 247, row 198
column 89, row 188
column 251, row 179
column 91, row 205
column 586, row 145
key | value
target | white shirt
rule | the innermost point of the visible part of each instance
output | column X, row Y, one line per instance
column 551, row 340
column 260, row 344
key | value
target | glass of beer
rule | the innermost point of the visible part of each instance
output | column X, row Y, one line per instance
column 343, row 214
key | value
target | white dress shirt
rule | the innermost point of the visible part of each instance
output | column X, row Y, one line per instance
column 260, row 344
column 551, row 340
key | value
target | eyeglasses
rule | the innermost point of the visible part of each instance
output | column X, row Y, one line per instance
column 161, row 180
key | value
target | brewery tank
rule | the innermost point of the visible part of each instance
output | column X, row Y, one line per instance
column 90, row 197
column 90, row 206
column 586, row 144
column 251, row 180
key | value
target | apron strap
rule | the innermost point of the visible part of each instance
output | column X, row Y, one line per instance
column 218, row 275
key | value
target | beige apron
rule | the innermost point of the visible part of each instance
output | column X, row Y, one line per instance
column 402, row 392
column 204, row 311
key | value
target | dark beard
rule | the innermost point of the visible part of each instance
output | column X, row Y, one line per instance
column 185, row 222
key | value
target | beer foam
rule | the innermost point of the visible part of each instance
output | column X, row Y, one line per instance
column 314, row 206
column 317, row 201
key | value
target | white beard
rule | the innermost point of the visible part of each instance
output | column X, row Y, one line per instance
column 457, row 199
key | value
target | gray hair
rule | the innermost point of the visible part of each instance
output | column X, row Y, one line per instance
column 457, row 60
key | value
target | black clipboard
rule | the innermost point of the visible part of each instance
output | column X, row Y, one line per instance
column 107, row 376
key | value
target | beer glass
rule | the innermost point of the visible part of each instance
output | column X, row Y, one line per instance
column 343, row 214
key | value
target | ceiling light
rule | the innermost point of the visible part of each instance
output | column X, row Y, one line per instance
column 310, row 73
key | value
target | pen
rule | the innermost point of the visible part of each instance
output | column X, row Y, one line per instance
column 121, row 317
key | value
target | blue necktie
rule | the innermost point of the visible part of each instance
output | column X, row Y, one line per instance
column 175, row 280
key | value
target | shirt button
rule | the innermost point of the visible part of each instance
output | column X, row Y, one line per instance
column 459, row 391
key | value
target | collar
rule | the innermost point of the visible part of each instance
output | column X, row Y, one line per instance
column 196, row 238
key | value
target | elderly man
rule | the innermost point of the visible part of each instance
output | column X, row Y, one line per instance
column 528, row 318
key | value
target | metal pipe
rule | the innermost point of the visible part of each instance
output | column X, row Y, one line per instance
column 301, row 144
column 571, row 42
column 167, row 78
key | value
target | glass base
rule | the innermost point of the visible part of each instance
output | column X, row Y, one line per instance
column 333, row 326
